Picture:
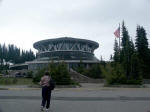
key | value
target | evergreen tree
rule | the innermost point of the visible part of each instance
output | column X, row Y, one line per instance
column 141, row 42
column 128, row 69
column 126, row 51
column 129, row 60
column 59, row 73
column 116, row 52
column 143, row 51
column 135, row 67
column 102, row 62
column 13, row 54
column 1, row 53
column 111, row 57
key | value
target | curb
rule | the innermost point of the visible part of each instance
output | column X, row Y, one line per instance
column 23, row 88
column 125, row 86
column 3, row 88
column 19, row 88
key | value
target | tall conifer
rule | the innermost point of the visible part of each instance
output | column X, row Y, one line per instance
column 116, row 51
column 143, row 51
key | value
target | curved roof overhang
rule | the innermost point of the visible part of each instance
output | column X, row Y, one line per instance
column 38, row 44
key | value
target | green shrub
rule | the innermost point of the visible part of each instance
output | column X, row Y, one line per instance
column 116, row 75
column 29, row 74
column 93, row 72
column 59, row 73
column 38, row 75
column 134, row 81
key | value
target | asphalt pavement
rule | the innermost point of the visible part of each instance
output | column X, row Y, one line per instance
column 89, row 98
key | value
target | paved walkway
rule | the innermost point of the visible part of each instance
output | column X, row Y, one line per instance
column 89, row 98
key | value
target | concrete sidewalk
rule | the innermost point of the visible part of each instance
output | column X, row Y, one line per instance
column 17, row 87
column 84, row 86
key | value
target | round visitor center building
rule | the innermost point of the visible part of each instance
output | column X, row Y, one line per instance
column 72, row 51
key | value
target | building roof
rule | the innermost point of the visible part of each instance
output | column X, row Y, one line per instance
column 70, row 39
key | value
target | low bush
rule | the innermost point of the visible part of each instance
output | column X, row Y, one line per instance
column 38, row 75
column 115, row 75
column 29, row 74
column 59, row 73
column 94, row 71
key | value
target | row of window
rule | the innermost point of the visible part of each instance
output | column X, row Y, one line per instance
column 67, row 55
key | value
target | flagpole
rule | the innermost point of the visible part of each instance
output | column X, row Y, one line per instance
column 119, row 38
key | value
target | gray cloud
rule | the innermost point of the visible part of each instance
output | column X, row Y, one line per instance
column 90, row 19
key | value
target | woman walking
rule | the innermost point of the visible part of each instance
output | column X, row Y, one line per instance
column 46, row 91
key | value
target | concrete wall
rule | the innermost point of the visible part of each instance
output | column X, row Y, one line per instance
column 83, row 79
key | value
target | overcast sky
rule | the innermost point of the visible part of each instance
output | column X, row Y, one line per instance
column 23, row 22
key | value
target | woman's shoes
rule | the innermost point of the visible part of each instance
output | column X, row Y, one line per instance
column 42, row 108
column 46, row 110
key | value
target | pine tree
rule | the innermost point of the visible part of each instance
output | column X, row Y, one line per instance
column 125, row 52
column 1, row 53
column 135, row 67
column 13, row 54
column 128, row 56
column 143, row 51
column 111, row 57
column 141, row 42
column 116, row 56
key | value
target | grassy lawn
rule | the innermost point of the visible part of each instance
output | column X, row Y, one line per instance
column 15, row 81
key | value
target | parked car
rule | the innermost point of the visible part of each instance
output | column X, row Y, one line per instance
column 18, row 74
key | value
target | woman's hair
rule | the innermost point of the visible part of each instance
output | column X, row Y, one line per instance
column 47, row 73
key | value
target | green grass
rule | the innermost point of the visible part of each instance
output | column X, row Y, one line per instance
column 15, row 81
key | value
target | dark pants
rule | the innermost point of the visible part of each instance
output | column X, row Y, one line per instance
column 46, row 96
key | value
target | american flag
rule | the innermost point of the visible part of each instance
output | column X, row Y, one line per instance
column 117, row 32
